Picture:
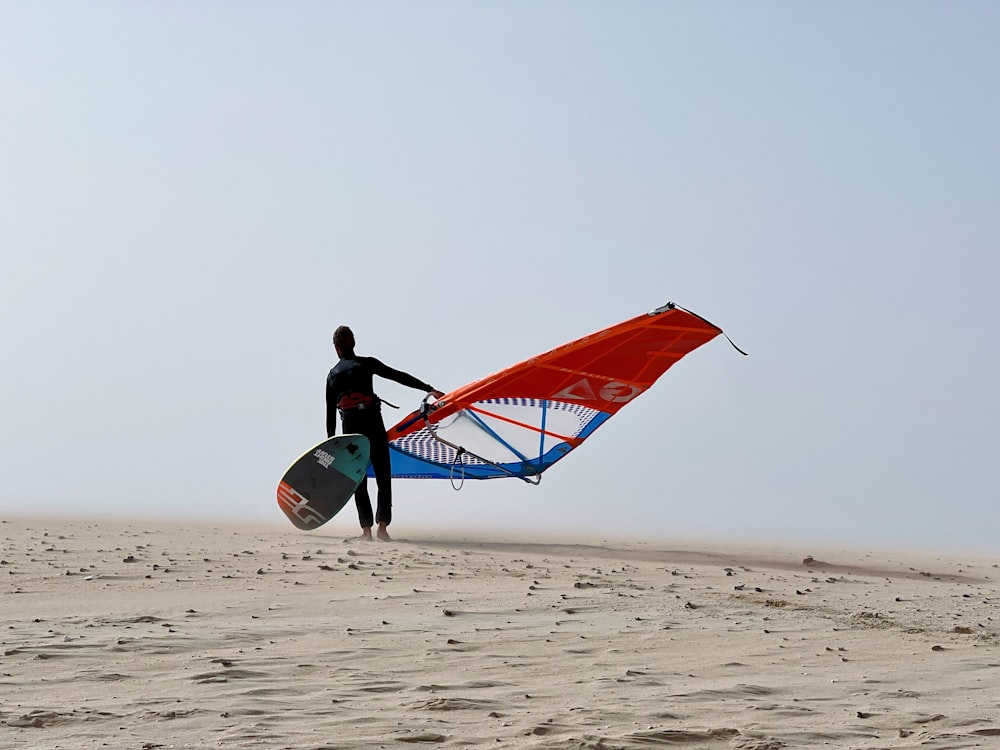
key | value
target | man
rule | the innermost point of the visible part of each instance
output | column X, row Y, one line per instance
column 349, row 390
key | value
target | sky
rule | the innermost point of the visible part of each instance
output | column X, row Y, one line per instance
column 194, row 195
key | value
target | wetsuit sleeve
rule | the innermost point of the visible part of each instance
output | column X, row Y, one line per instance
column 398, row 376
column 331, row 410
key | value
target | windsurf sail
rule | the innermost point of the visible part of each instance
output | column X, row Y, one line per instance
column 520, row 421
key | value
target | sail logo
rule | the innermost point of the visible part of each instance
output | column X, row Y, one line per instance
column 613, row 392
column 324, row 459
column 620, row 393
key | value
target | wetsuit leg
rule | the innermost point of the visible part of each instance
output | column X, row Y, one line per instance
column 355, row 422
column 382, row 468
column 364, row 504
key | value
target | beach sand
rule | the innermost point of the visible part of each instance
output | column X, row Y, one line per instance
column 143, row 635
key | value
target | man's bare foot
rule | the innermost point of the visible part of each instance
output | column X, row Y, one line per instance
column 383, row 535
column 366, row 534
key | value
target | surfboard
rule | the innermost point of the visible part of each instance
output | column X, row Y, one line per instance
column 322, row 480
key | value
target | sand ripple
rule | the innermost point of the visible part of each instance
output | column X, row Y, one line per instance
column 197, row 637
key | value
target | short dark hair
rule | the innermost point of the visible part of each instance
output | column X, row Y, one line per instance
column 343, row 338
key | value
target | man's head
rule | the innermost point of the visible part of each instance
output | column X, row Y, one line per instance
column 343, row 339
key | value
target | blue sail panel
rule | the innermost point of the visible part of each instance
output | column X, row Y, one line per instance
column 516, row 436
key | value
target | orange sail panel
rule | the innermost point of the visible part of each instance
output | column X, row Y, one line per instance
column 521, row 420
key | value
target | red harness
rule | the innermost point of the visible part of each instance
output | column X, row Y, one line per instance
column 350, row 401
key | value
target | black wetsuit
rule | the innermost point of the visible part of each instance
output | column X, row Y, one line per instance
column 349, row 390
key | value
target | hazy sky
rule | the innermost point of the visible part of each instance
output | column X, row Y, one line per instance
column 194, row 195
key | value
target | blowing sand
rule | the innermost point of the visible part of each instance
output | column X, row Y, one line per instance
column 136, row 635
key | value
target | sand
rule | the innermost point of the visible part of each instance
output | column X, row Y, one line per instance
column 142, row 635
